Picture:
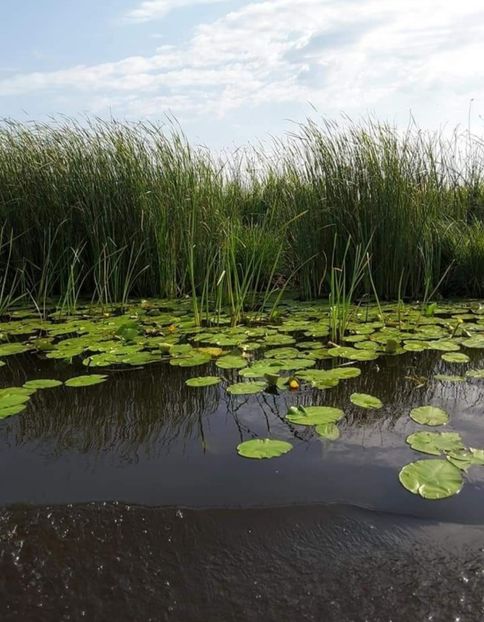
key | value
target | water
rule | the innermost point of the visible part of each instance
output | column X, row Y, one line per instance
column 127, row 500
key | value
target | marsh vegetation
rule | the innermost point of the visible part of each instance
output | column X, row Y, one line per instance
column 108, row 211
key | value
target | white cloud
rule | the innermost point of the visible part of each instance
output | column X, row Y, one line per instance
column 155, row 9
column 341, row 55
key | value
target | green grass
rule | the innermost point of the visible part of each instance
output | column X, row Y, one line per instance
column 108, row 211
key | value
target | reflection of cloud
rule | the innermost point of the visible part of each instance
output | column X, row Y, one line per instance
column 348, row 56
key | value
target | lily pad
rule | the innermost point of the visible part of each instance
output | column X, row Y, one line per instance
column 477, row 374
column 449, row 378
column 328, row 430
column 246, row 388
column 431, row 479
column 13, row 400
column 474, row 342
column 435, row 443
column 446, row 346
column 8, row 349
column 263, row 448
column 191, row 359
column 85, row 381
column 203, row 381
column 314, row 415
column 42, row 384
column 415, row 346
column 429, row 415
column 231, row 361
column 455, row 357
column 365, row 401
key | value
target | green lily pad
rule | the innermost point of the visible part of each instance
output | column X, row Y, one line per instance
column 314, row 415
column 431, row 479
column 415, row 346
column 246, row 388
column 474, row 342
column 13, row 400
column 328, row 430
column 2, row 363
column 446, row 346
column 449, row 378
column 429, row 415
column 435, row 443
column 282, row 353
column 279, row 340
column 42, row 384
column 365, row 401
column 477, row 374
column 85, row 381
column 191, row 360
column 462, row 459
column 263, row 448
column 231, row 361
column 455, row 357
column 203, row 381
column 9, row 349
column 344, row 373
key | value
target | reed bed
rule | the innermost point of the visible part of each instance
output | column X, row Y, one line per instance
column 109, row 210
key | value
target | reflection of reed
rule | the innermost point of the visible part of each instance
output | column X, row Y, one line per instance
column 145, row 411
column 137, row 410
column 395, row 380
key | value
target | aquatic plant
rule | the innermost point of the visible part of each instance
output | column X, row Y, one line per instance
column 108, row 210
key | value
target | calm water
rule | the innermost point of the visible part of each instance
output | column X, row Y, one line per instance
column 127, row 500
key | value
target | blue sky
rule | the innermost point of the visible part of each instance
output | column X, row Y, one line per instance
column 233, row 71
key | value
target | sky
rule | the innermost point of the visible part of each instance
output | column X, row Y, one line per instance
column 232, row 71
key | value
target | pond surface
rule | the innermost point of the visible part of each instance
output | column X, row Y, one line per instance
column 127, row 499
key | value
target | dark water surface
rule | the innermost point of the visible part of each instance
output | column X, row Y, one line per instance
column 127, row 501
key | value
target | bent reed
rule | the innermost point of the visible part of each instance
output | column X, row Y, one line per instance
column 109, row 210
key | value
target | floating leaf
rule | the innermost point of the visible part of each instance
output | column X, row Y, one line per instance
column 85, row 381
column 474, row 342
column 328, row 430
column 431, row 479
column 191, row 360
column 314, row 415
column 42, row 384
column 128, row 331
column 435, row 443
column 261, row 368
column 449, row 378
column 446, row 346
column 215, row 352
column 477, row 374
column 8, row 349
column 231, row 361
column 263, row 448
column 203, row 381
column 365, row 401
column 13, row 400
column 455, row 357
column 429, row 415
column 415, row 346
column 279, row 340
column 282, row 353
column 344, row 373
column 246, row 388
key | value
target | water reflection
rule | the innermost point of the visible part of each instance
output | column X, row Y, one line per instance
column 145, row 436
column 143, row 410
